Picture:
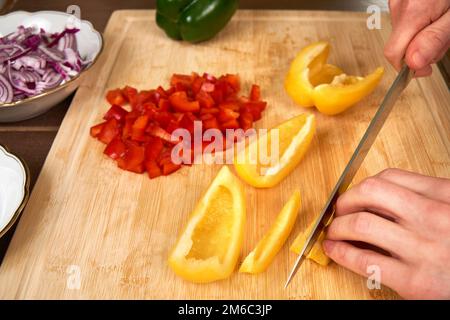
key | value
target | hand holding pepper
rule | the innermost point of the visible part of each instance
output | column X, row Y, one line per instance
column 420, row 33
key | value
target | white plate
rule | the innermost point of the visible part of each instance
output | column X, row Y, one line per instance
column 14, row 188
column 90, row 45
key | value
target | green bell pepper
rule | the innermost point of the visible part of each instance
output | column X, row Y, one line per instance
column 194, row 20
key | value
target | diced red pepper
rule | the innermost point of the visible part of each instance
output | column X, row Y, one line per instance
column 140, row 139
column 206, row 116
column 116, row 112
column 205, row 99
column 169, row 168
column 217, row 95
column 246, row 121
column 255, row 108
column 232, row 105
column 187, row 122
column 209, row 77
column 231, row 124
column 115, row 97
column 152, row 168
column 255, row 93
column 159, row 132
column 145, row 96
column 153, row 148
column 226, row 114
column 115, row 149
column 130, row 95
column 180, row 102
column 233, row 80
column 133, row 158
column 209, row 111
column 164, row 104
column 163, row 118
column 208, row 87
column 181, row 79
column 211, row 123
column 138, row 128
column 109, row 131
column 197, row 84
column 95, row 130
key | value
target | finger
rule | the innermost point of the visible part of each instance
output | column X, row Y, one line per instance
column 406, row 24
column 431, row 187
column 383, row 197
column 424, row 72
column 375, row 230
column 393, row 273
column 428, row 45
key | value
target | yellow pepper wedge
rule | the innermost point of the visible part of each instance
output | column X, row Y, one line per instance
column 316, row 254
column 210, row 245
column 294, row 138
column 267, row 248
column 312, row 82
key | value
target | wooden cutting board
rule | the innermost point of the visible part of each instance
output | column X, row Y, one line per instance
column 113, row 229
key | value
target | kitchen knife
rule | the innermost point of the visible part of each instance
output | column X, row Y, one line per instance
column 397, row 87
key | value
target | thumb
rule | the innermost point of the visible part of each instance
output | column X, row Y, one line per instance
column 430, row 44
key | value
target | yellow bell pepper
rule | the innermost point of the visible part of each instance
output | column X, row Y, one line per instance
column 267, row 248
column 210, row 245
column 294, row 138
column 312, row 82
column 316, row 254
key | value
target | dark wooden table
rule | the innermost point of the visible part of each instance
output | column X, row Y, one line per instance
column 33, row 138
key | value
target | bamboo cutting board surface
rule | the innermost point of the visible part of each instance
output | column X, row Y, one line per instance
column 116, row 228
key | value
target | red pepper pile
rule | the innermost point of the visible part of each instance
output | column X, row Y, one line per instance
column 139, row 139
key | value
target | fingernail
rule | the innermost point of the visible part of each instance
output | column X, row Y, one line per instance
column 328, row 245
column 419, row 60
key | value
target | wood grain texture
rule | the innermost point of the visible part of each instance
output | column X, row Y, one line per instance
column 118, row 226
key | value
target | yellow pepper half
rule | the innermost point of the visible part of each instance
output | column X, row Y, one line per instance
column 267, row 248
column 312, row 82
column 210, row 245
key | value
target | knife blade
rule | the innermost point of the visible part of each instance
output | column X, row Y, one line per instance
column 377, row 122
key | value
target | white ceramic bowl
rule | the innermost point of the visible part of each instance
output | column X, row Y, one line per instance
column 90, row 45
column 14, row 188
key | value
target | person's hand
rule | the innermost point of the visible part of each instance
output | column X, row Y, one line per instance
column 406, row 215
column 420, row 33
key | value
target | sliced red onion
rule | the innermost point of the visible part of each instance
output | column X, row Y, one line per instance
column 6, row 90
column 53, row 54
column 59, row 36
column 32, row 61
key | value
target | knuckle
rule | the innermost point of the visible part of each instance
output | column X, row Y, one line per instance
column 389, row 52
column 370, row 186
column 360, row 223
column 388, row 172
column 362, row 262
column 340, row 253
column 436, row 37
column 340, row 204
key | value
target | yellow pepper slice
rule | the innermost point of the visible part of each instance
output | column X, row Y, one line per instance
column 312, row 82
column 267, row 248
column 210, row 245
column 294, row 137
column 316, row 254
